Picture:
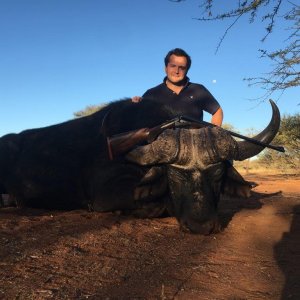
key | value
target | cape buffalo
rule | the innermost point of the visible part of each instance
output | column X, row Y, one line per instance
column 181, row 173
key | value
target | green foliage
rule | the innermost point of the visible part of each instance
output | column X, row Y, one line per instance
column 289, row 137
column 90, row 109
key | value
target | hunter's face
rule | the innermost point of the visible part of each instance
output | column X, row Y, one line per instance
column 176, row 69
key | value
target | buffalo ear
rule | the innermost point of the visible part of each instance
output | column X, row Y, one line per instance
column 235, row 185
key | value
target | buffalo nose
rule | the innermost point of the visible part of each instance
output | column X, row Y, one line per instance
column 205, row 228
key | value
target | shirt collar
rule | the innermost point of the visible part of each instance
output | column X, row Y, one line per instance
column 186, row 84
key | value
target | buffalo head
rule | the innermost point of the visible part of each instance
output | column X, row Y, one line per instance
column 198, row 169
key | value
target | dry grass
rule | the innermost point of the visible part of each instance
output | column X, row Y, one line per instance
column 254, row 167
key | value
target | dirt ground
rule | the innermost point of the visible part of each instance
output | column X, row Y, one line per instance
column 82, row 255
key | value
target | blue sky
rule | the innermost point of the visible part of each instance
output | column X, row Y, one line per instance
column 59, row 56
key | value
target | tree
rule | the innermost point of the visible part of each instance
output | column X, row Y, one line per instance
column 289, row 137
column 90, row 109
column 286, row 61
column 230, row 127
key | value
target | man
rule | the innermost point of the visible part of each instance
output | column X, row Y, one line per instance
column 177, row 90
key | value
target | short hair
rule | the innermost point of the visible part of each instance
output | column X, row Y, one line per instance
column 178, row 52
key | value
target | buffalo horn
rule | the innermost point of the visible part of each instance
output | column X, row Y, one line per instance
column 247, row 149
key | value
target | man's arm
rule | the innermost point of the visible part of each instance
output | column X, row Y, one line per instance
column 217, row 117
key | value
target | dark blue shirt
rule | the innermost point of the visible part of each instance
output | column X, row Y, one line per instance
column 192, row 100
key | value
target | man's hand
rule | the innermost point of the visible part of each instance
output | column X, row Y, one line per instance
column 136, row 99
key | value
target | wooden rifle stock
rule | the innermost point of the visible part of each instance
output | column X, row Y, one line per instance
column 122, row 142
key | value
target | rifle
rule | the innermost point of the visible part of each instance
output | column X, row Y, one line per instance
column 123, row 142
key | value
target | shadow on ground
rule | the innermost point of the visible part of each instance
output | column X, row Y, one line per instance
column 287, row 253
